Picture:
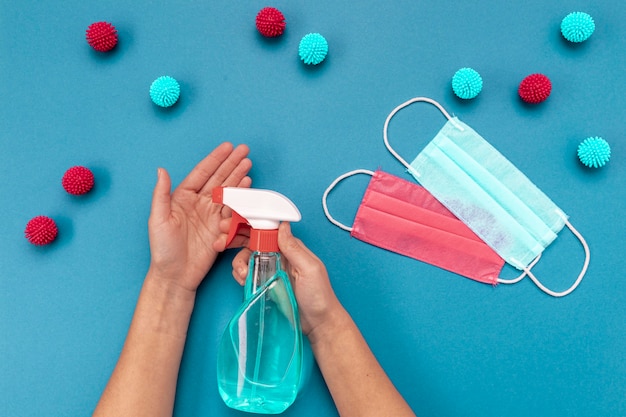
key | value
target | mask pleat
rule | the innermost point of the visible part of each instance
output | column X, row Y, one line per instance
column 498, row 194
column 427, row 218
column 405, row 218
column 490, row 194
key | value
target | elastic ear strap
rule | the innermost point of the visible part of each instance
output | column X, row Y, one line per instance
column 330, row 188
column 522, row 275
column 580, row 276
column 397, row 109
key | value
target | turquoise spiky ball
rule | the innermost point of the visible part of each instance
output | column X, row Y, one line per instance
column 165, row 91
column 313, row 49
column 577, row 27
column 594, row 152
column 467, row 83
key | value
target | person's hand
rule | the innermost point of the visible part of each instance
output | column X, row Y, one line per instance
column 184, row 225
column 317, row 301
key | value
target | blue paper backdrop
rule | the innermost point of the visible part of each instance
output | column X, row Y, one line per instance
column 452, row 346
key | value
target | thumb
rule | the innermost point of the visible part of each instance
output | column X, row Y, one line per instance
column 161, row 197
column 291, row 247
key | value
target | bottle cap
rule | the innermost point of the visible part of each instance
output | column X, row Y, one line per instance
column 260, row 211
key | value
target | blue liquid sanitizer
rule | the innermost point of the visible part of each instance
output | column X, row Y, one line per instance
column 260, row 357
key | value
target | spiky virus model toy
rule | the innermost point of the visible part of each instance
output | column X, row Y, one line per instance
column 577, row 27
column 535, row 88
column 270, row 22
column 102, row 36
column 78, row 180
column 594, row 152
column 41, row 230
column 165, row 91
column 313, row 49
column 467, row 83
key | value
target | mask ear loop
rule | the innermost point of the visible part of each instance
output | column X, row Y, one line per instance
column 580, row 275
column 400, row 107
column 330, row 188
column 522, row 275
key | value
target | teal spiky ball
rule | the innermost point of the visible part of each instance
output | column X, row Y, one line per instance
column 313, row 49
column 467, row 83
column 165, row 91
column 577, row 27
column 594, row 152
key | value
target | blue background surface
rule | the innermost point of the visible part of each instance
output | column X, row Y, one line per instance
column 452, row 346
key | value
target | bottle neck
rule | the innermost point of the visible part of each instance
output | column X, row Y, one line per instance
column 263, row 240
column 262, row 267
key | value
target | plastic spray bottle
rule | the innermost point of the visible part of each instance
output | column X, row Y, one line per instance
column 260, row 356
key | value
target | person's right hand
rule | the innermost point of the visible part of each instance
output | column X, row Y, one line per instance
column 317, row 302
column 355, row 379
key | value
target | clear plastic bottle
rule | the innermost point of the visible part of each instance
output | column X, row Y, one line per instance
column 260, row 356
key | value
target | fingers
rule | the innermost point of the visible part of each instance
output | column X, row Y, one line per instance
column 239, row 241
column 222, row 164
column 240, row 266
column 161, row 197
column 230, row 172
column 226, row 211
column 206, row 168
column 299, row 256
column 245, row 182
column 234, row 177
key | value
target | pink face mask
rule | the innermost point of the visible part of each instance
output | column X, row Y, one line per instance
column 403, row 217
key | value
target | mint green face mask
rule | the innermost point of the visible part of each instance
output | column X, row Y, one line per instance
column 489, row 194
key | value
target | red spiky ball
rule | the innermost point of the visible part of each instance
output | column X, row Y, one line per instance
column 270, row 22
column 102, row 36
column 78, row 180
column 535, row 88
column 41, row 230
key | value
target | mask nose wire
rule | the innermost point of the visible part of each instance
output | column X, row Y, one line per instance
column 400, row 107
column 330, row 188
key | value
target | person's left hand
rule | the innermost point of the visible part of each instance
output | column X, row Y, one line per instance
column 184, row 225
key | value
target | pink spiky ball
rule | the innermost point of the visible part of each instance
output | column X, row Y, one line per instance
column 270, row 22
column 102, row 36
column 535, row 88
column 78, row 180
column 41, row 230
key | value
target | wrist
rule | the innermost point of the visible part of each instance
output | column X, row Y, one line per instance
column 337, row 320
column 168, row 283
column 165, row 306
